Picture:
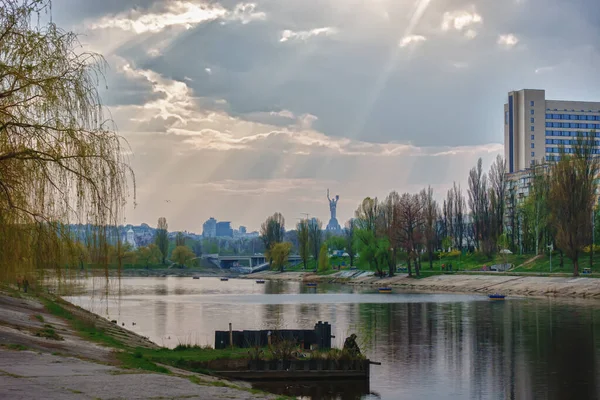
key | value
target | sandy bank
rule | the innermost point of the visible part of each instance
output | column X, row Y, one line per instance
column 507, row 284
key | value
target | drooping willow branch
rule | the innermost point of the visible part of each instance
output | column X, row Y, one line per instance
column 61, row 161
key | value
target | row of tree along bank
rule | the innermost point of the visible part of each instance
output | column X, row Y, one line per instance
column 559, row 213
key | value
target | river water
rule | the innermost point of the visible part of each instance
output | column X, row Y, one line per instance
column 431, row 346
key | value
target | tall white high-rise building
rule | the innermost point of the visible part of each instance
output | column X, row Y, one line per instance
column 535, row 128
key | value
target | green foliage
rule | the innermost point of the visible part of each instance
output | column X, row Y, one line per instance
column 573, row 189
column 323, row 259
column 162, row 238
column 48, row 332
column 315, row 235
column 179, row 239
column 149, row 255
column 303, row 241
column 350, row 239
column 183, row 256
column 446, row 243
column 279, row 254
column 85, row 328
column 373, row 250
column 272, row 232
column 60, row 158
column 137, row 361
column 336, row 243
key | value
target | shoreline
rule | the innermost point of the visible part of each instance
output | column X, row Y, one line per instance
column 80, row 354
column 530, row 286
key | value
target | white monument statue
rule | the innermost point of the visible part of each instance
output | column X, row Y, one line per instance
column 333, row 224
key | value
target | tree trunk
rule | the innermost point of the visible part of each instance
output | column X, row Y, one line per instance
column 430, row 259
column 392, row 263
column 562, row 260
column 417, row 265
column 351, row 261
column 409, row 267
column 575, row 267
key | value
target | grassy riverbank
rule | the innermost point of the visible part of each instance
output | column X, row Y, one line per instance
column 53, row 327
column 472, row 262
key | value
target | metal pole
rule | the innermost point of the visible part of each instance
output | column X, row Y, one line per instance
column 230, row 336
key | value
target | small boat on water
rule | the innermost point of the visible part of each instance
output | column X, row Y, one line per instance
column 224, row 279
column 260, row 281
column 496, row 296
column 196, row 277
column 311, row 284
column 385, row 290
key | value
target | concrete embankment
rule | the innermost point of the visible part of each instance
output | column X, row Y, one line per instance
column 42, row 356
column 465, row 283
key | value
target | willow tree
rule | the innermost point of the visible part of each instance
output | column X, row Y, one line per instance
column 61, row 161
column 573, row 195
column 272, row 231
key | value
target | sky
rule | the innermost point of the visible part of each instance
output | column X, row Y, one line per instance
column 236, row 110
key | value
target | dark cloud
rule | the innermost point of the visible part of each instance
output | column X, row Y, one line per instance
column 376, row 92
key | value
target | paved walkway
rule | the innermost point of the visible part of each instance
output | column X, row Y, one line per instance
column 566, row 287
column 30, row 375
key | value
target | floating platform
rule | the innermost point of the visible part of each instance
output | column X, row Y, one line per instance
column 385, row 290
column 196, row 277
column 311, row 284
column 224, row 279
column 496, row 296
column 291, row 370
column 260, row 281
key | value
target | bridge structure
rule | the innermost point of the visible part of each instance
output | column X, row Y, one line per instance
column 251, row 262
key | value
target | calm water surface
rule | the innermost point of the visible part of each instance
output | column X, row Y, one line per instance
column 431, row 346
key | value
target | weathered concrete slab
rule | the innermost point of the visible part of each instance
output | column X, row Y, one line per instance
column 26, row 375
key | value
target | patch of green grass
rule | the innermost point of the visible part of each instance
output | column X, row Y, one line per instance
column 16, row 347
column 87, row 329
column 39, row 317
column 75, row 391
column 191, row 353
column 48, row 332
column 136, row 360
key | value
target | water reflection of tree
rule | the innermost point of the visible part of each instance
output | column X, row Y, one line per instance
column 563, row 346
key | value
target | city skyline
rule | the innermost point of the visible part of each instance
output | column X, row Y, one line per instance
column 239, row 110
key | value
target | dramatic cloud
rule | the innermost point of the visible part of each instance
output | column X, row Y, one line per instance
column 462, row 21
column 178, row 13
column 411, row 39
column 287, row 34
column 237, row 108
column 508, row 41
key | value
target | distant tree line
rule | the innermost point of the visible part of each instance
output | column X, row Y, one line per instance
column 558, row 212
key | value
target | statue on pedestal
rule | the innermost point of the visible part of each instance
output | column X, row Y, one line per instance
column 333, row 224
